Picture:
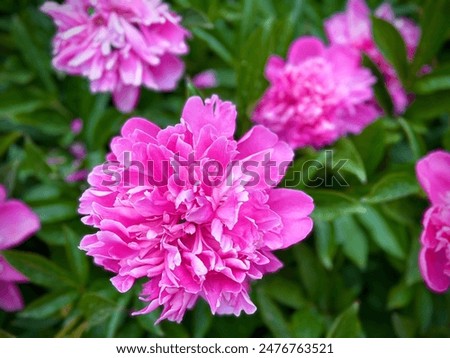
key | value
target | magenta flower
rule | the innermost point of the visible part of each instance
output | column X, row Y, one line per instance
column 205, row 79
column 353, row 28
column 318, row 95
column 17, row 223
column 119, row 45
column 76, row 126
column 192, row 210
column 433, row 173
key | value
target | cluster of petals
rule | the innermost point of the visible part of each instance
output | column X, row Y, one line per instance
column 120, row 45
column 353, row 28
column 17, row 223
column 433, row 173
column 200, row 218
column 318, row 95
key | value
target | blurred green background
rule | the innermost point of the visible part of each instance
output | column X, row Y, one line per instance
column 355, row 276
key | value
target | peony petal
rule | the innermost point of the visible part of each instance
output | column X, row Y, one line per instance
column 10, row 297
column 433, row 173
column 168, row 73
column 17, row 223
column 274, row 68
column 9, row 273
column 432, row 266
column 214, row 112
column 126, row 97
column 305, row 48
column 293, row 206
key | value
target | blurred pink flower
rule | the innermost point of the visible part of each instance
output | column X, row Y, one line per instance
column 77, row 176
column 353, row 28
column 17, row 223
column 318, row 95
column 78, row 150
column 433, row 173
column 76, row 126
column 192, row 210
column 119, row 45
column 205, row 79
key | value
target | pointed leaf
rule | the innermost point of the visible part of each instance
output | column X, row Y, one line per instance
column 347, row 324
column 39, row 270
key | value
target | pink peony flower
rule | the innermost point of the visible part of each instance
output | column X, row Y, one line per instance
column 17, row 223
column 433, row 173
column 119, row 45
column 193, row 211
column 318, row 95
column 353, row 27
column 205, row 79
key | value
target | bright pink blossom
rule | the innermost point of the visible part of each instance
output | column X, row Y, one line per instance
column 205, row 79
column 433, row 172
column 192, row 210
column 353, row 28
column 318, row 95
column 17, row 223
column 120, row 45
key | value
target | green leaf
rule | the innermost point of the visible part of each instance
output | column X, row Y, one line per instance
column 446, row 140
column 417, row 146
column 96, row 309
column 34, row 161
column 325, row 243
column 56, row 212
column 40, row 270
column 7, row 140
column 120, row 314
column 49, row 304
column 203, row 319
column 15, row 101
column 347, row 324
column 382, row 95
column 42, row 193
column 193, row 18
column 95, row 123
column 393, row 186
column 346, row 150
column 399, row 296
column 424, row 308
column 404, row 326
column 35, row 57
column 371, row 145
column 307, row 323
column 47, row 121
column 77, row 259
column 429, row 106
column 147, row 322
column 215, row 45
column 353, row 239
column 272, row 316
column 333, row 204
column 283, row 291
column 381, row 233
column 434, row 26
column 313, row 277
column 391, row 45
column 412, row 267
column 4, row 334
column 438, row 80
